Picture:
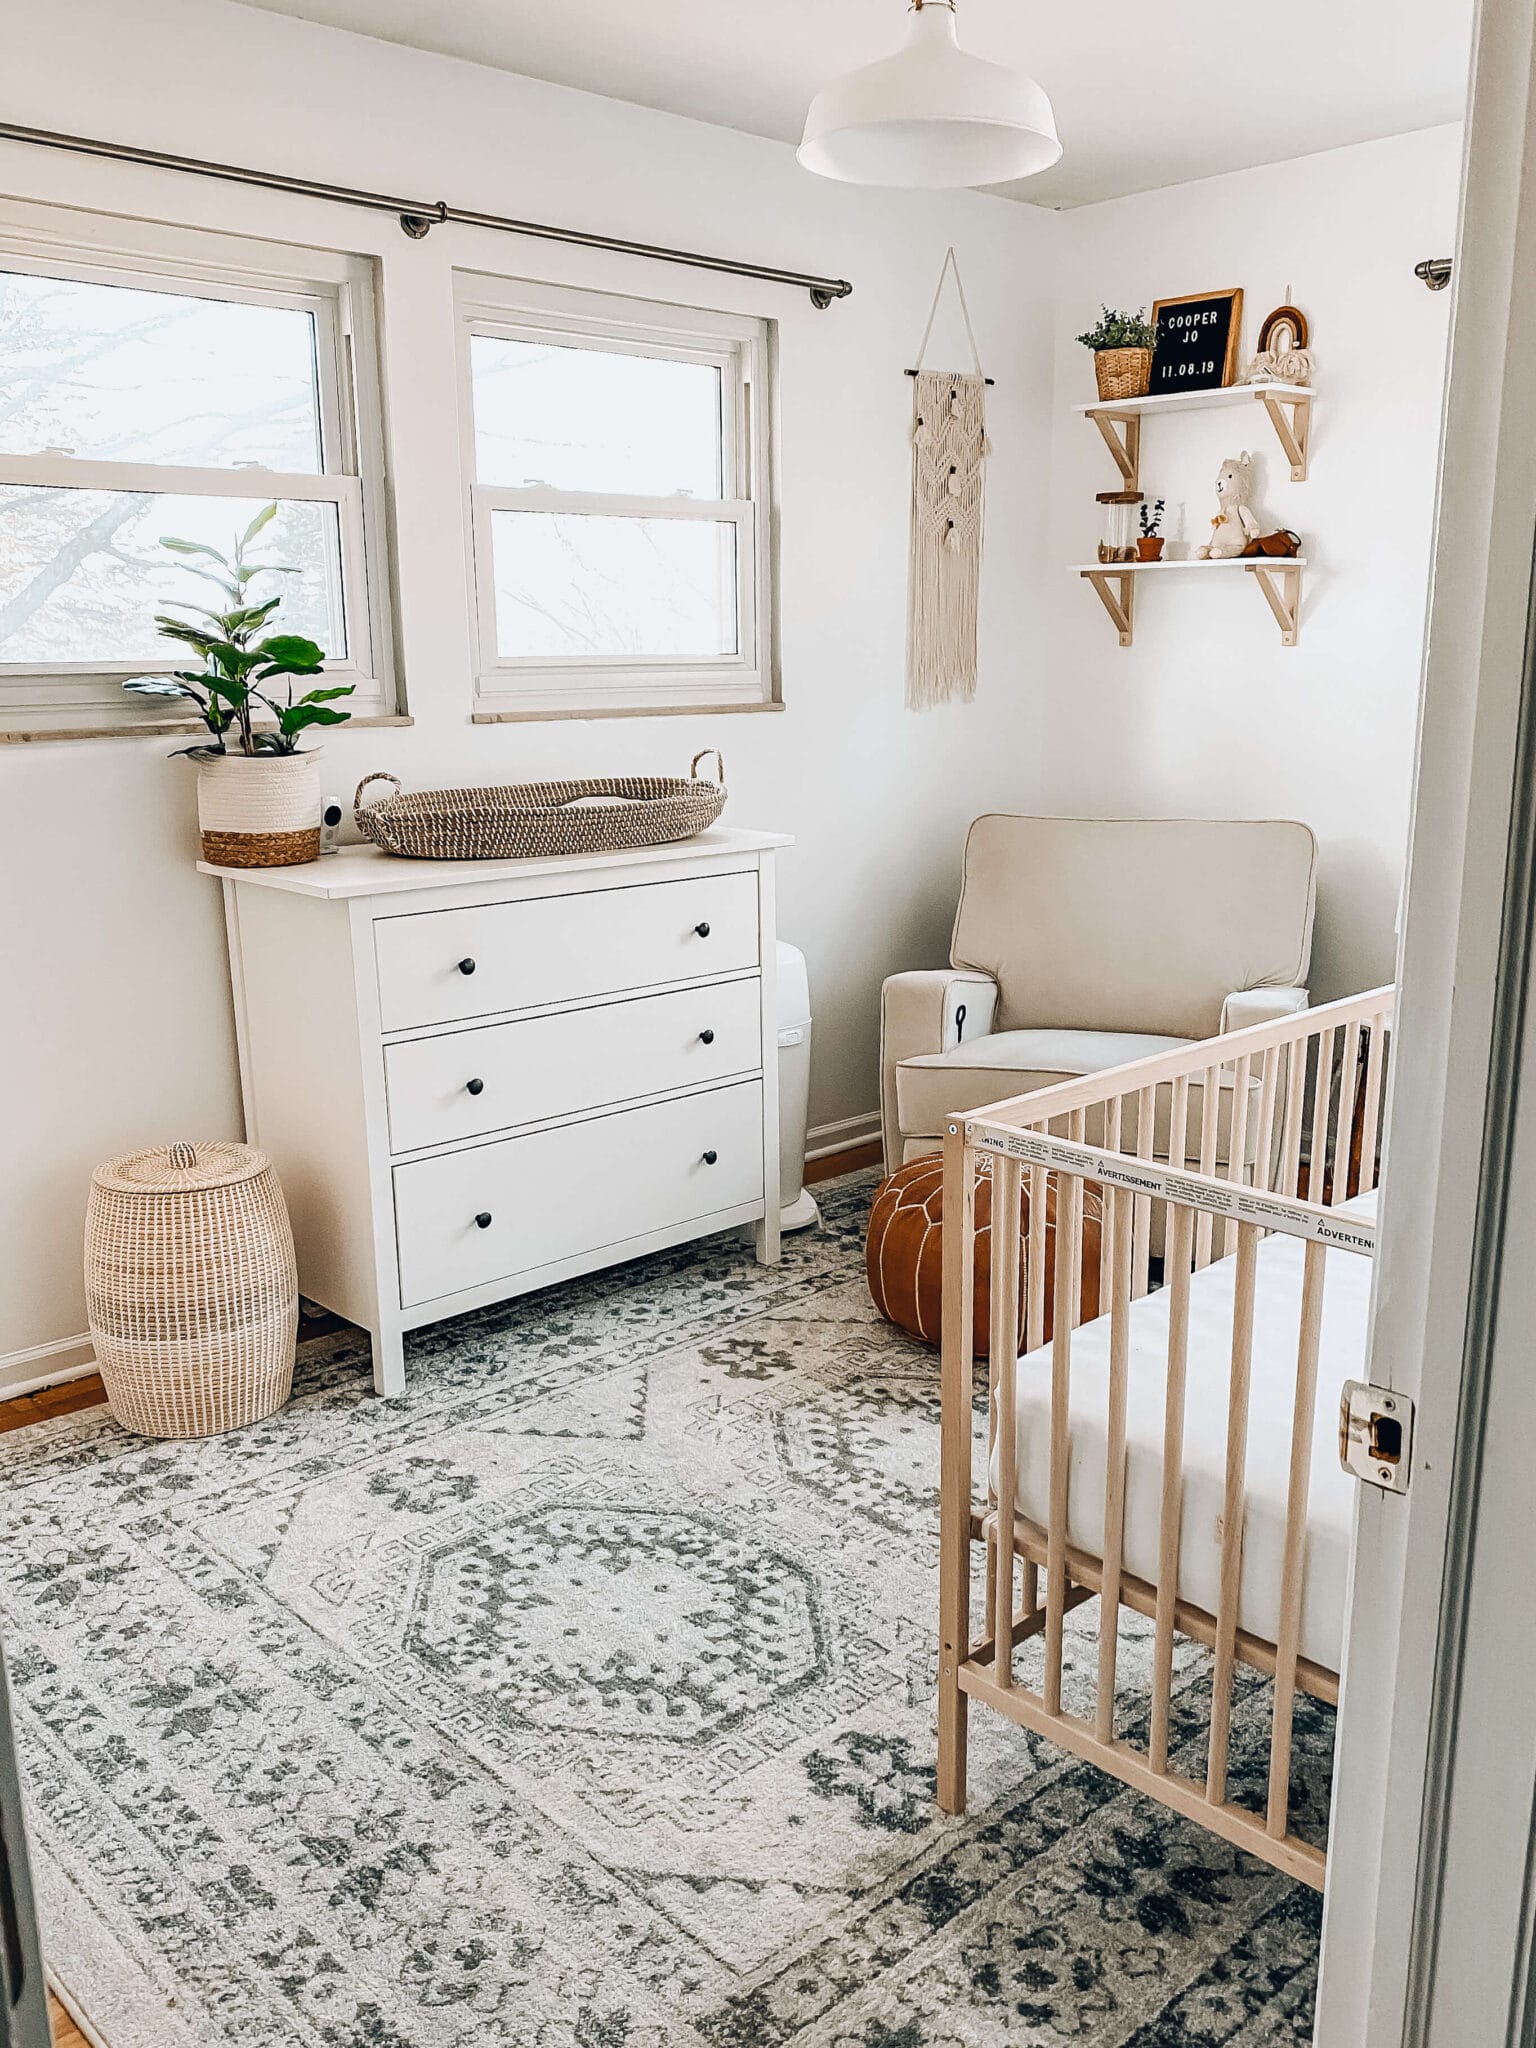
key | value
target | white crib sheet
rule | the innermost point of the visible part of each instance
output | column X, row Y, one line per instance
column 1276, row 1324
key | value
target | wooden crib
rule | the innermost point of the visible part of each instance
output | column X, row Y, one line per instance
column 1187, row 1480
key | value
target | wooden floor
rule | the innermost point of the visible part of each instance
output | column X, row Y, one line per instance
column 89, row 1393
column 65, row 2033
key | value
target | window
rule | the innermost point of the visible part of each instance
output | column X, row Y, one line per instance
column 617, row 457
column 168, row 392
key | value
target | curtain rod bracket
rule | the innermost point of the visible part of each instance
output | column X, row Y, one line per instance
column 416, row 225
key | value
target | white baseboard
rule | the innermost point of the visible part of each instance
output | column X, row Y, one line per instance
column 823, row 1139
column 45, row 1365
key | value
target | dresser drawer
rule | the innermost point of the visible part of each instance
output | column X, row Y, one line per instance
column 466, row 1083
column 560, row 1193
column 437, row 966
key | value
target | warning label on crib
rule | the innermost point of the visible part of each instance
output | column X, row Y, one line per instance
column 1189, row 1190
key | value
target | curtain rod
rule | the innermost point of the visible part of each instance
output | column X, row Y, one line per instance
column 417, row 218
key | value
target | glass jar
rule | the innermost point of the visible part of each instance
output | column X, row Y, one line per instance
column 1117, row 528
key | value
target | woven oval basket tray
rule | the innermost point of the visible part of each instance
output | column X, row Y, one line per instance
column 518, row 820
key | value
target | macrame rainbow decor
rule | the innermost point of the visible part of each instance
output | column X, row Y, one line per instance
column 949, row 450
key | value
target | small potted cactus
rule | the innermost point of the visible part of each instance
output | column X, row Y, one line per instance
column 1149, row 542
column 1122, row 353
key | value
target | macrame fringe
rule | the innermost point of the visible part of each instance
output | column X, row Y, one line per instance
column 949, row 450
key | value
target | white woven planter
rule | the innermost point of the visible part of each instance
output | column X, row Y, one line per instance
column 260, row 810
column 191, row 1289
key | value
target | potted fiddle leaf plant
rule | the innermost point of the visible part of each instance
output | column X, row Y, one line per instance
column 258, row 793
column 1122, row 345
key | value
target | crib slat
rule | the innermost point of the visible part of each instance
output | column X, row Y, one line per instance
column 1110, row 1210
column 1374, row 1064
column 1295, row 1098
column 957, row 1366
column 1293, row 1571
column 1077, row 1126
column 1344, row 1132
column 1178, row 1136
column 1007, row 1182
column 1171, row 1524
column 1061, row 1392
column 1322, row 1097
column 1237, row 1144
column 1141, row 1235
column 1232, row 1511
column 1210, row 1113
column 1117, row 1211
column 1034, row 1335
column 1269, row 1089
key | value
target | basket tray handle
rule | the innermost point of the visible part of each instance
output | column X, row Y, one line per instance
column 378, row 775
column 703, row 754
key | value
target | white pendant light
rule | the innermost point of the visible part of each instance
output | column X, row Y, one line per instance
column 930, row 116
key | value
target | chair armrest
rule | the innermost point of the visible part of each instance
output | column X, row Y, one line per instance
column 921, row 1012
column 1247, row 1006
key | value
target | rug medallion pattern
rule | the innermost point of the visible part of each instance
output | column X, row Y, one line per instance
column 584, row 1699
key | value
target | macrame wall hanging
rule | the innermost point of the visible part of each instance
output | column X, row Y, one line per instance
column 949, row 450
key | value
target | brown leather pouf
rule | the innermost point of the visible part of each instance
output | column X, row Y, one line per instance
column 904, row 1252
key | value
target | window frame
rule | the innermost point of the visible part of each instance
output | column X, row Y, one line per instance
column 338, row 291
column 740, row 347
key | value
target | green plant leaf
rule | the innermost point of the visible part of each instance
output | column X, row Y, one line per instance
column 193, row 547
column 325, row 696
column 294, row 718
column 290, row 654
column 200, row 752
column 263, row 518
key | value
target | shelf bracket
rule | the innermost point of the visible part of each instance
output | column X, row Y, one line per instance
column 1125, row 446
column 1292, row 422
column 1284, row 597
column 1120, row 602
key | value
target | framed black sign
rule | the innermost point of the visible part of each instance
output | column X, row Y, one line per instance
column 1197, row 342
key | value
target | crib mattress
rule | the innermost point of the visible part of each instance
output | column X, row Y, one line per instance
column 1276, row 1324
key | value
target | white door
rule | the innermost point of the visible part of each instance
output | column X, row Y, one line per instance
column 1427, row 1938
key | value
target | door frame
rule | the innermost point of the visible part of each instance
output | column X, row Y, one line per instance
column 1427, row 1921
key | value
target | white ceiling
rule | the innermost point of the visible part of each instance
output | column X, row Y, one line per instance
column 1147, row 92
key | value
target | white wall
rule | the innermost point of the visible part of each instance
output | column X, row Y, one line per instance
column 1207, row 715
column 116, row 1027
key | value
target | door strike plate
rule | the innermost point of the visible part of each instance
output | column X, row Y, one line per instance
column 1376, row 1435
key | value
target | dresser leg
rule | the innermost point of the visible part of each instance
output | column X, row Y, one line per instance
column 765, row 1240
column 388, row 1363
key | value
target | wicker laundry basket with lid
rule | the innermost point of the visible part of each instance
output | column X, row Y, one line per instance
column 191, row 1288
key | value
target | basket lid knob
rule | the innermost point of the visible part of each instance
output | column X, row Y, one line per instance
column 183, row 1157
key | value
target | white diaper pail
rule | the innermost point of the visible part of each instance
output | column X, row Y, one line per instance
column 799, row 1209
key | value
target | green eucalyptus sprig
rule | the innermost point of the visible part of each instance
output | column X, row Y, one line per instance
column 1120, row 330
column 241, row 662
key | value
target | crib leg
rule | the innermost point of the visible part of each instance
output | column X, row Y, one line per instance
column 957, row 1367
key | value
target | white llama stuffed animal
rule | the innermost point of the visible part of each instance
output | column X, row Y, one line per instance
column 1234, row 525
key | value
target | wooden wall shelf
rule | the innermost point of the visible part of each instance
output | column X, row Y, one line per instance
column 1278, row 577
column 1289, row 407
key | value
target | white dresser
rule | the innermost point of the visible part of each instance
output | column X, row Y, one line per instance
column 478, row 1077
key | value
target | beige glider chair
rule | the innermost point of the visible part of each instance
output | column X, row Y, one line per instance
column 1082, row 943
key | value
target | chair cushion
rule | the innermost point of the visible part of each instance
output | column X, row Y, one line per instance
column 931, row 1085
column 1144, row 924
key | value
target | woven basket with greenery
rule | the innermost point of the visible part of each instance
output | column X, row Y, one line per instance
column 1122, row 345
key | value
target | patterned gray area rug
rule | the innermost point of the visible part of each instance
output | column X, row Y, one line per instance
column 584, row 1699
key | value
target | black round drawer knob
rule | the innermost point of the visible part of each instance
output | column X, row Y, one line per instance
column 706, row 1038
column 483, row 1220
column 710, row 1157
column 703, row 929
column 476, row 1086
column 466, row 967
